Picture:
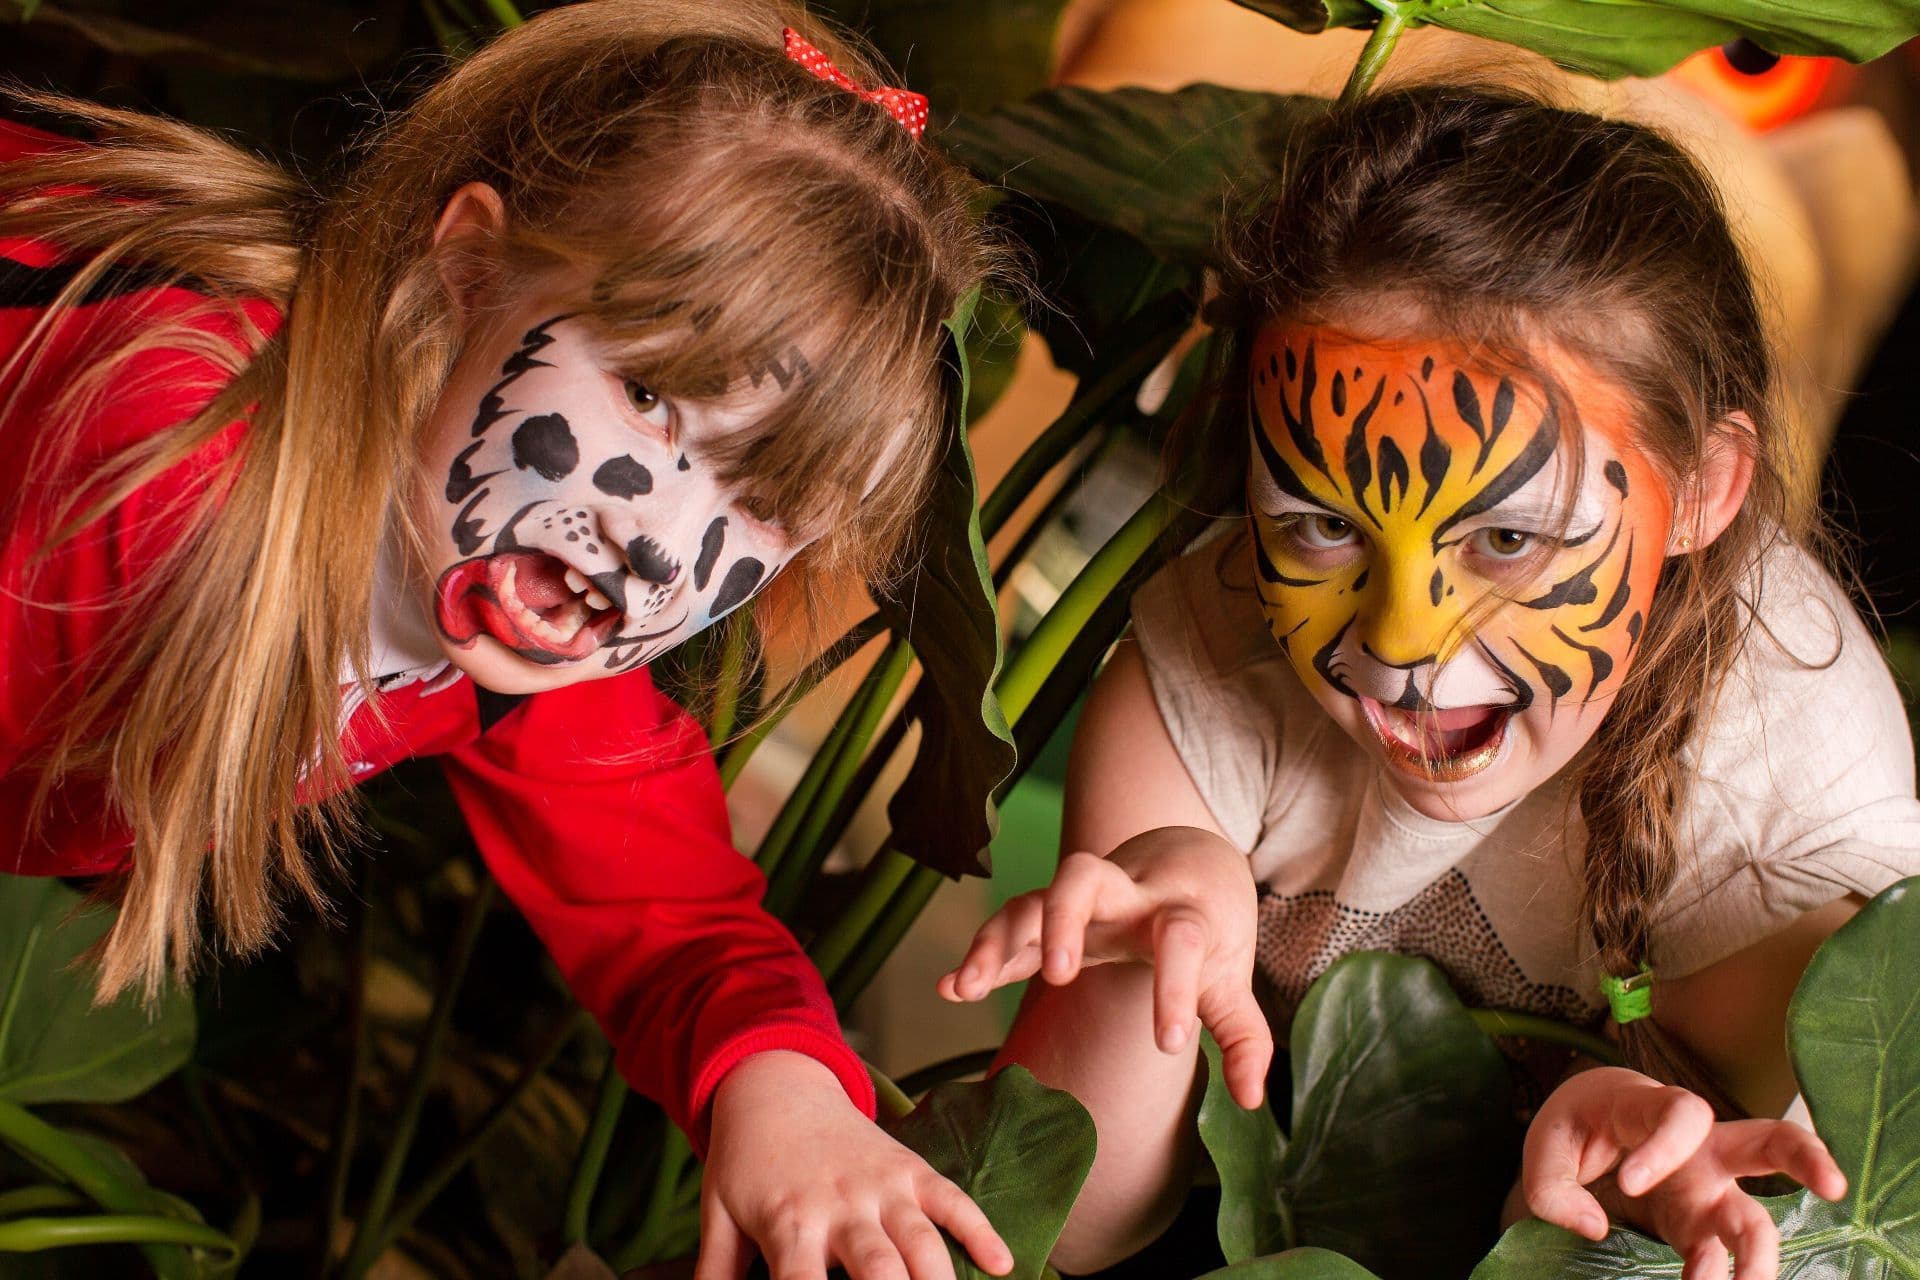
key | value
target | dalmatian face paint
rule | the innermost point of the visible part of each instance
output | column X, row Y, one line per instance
column 1456, row 580
column 578, row 526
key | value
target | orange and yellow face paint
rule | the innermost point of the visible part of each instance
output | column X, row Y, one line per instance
column 1457, row 572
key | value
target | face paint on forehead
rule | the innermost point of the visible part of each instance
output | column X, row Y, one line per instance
column 1390, row 481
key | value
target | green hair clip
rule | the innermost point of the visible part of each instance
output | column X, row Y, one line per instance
column 1630, row 998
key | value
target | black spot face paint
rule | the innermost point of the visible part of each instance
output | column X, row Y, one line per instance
column 711, row 543
column 544, row 444
column 649, row 561
column 742, row 580
column 623, row 477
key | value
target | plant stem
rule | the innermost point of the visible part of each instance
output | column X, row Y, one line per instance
column 726, row 696
column 594, row 1147
column 31, row 1235
column 837, row 654
column 27, row 1200
column 878, row 883
column 1530, row 1026
column 1145, row 338
column 371, row 1231
column 645, row 1246
column 1050, row 512
column 346, row 1127
column 1374, row 56
column 862, row 717
column 505, row 13
column 463, row 1150
column 891, row 1101
column 915, row 1083
column 918, row 888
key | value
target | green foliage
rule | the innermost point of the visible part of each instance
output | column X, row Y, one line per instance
column 1395, row 1091
column 1020, row 1149
column 54, row 1045
column 963, row 54
column 1294, row 1264
column 1161, row 167
column 1851, row 1031
column 943, row 811
column 1638, row 39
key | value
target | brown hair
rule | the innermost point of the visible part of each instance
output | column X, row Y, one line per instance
column 668, row 148
column 1491, row 216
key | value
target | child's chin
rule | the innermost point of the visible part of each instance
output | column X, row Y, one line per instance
column 1467, row 801
column 496, row 668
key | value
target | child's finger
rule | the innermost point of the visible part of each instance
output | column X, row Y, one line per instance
column 866, row 1253
column 920, row 1245
column 1750, row 1233
column 1006, row 933
column 1663, row 1126
column 964, row 1220
column 1706, row 1260
column 1179, row 955
column 1550, row 1181
column 1069, row 906
column 725, row 1251
column 1245, row 1040
column 1755, row 1148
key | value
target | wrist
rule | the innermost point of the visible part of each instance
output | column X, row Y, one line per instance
column 776, row 1072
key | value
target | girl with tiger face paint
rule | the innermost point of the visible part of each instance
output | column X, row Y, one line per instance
column 1457, row 558
column 1508, row 655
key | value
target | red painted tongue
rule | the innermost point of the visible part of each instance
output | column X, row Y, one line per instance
column 539, row 580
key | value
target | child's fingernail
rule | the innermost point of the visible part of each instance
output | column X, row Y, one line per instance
column 1058, row 962
column 1172, row 1036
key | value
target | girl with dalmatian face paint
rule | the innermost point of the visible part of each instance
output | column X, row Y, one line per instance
column 637, row 309
column 1508, row 659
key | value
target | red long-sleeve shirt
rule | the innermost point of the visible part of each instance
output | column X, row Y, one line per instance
column 596, row 807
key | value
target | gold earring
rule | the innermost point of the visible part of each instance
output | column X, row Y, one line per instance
column 1684, row 542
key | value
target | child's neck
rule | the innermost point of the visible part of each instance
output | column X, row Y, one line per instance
column 400, row 634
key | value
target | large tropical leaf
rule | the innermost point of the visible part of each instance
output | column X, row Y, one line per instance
column 1161, row 167
column 1295, row 1264
column 1854, row 1033
column 1632, row 37
column 1018, row 1148
column 54, row 1045
column 963, row 54
column 943, row 813
column 1396, row 1092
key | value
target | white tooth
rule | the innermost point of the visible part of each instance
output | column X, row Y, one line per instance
column 578, row 584
column 596, row 600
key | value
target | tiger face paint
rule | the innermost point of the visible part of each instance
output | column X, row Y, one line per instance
column 1458, row 580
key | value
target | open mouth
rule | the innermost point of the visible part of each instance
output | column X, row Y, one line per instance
column 1439, row 745
column 532, row 603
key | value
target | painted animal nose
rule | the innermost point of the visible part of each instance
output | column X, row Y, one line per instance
column 649, row 561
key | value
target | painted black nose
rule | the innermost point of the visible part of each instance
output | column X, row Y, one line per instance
column 649, row 561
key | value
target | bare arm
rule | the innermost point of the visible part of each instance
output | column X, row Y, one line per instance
column 1096, row 1037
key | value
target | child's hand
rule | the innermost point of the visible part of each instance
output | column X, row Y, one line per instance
column 796, row 1169
column 1178, row 898
column 1676, row 1169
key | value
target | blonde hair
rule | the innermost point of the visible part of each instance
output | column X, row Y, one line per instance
column 668, row 148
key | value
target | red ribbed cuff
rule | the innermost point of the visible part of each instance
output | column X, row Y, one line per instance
column 829, row 1050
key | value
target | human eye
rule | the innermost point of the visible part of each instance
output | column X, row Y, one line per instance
column 647, row 404
column 1317, row 531
column 1505, row 544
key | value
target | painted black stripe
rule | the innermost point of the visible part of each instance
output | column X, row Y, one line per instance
column 1270, row 572
column 1300, row 426
column 1618, row 600
column 1558, row 681
column 1546, row 437
column 1602, row 661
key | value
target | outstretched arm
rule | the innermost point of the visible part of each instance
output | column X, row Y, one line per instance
column 1164, row 933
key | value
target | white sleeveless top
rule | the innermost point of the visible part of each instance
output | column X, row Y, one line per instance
column 1803, row 792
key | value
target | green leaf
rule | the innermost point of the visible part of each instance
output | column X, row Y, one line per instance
column 1314, row 16
column 1246, row 1148
column 1295, row 1264
column 1852, row 1031
column 1161, row 167
column 1018, row 1148
column 1396, row 1091
column 1634, row 37
column 963, row 54
column 943, row 812
column 54, row 1045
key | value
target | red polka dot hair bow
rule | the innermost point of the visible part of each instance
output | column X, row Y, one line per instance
column 904, row 105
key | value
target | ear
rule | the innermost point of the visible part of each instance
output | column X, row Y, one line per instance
column 464, row 240
column 1710, row 501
